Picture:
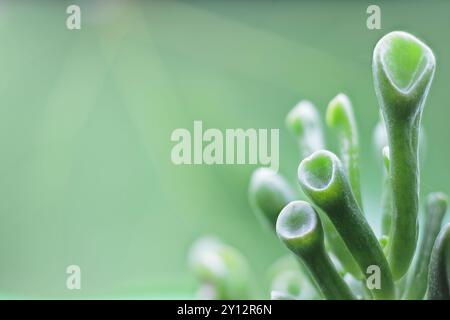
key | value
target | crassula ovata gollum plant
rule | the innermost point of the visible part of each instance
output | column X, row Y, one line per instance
column 403, row 69
column 325, row 227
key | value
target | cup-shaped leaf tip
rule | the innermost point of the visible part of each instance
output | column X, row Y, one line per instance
column 319, row 176
column 403, row 67
column 305, row 123
column 302, row 117
column 404, row 58
column 299, row 227
column 338, row 111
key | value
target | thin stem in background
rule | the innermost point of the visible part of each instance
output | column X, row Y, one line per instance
column 341, row 119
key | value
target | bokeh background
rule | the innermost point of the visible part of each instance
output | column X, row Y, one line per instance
column 86, row 118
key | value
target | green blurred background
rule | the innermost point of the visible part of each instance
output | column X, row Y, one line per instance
column 86, row 118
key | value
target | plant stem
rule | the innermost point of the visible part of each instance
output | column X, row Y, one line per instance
column 269, row 193
column 439, row 271
column 434, row 214
column 335, row 243
column 340, row 117
column 404, row 175
column 403, row 68
column 332, row 286
column 324, row 181
column 300, row 229
column 305, row 123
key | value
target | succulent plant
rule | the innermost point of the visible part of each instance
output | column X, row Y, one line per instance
column 403, row 69
column 326, row 228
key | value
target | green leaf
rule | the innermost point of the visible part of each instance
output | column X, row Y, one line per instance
column 325, row 182
column 305, row 123
column 439, row 271
column 341, row 119
column 403, row 69
column 300, row 229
